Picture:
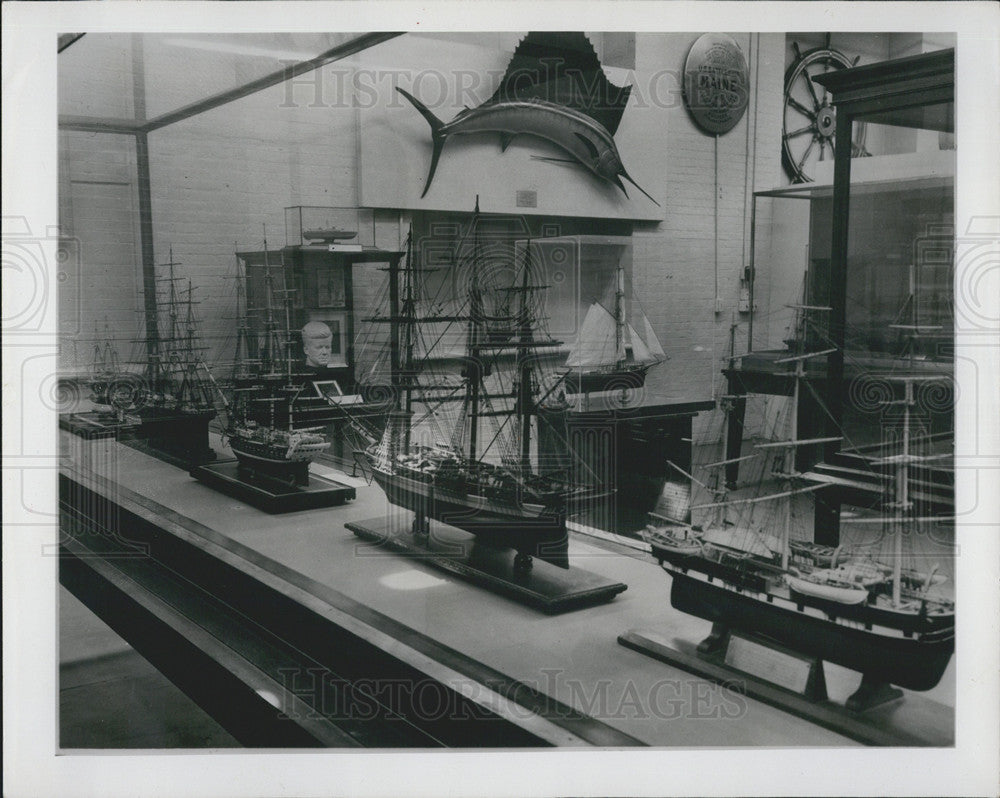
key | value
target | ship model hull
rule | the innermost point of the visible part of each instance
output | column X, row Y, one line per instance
column 268, row 460
column 910, row 651
column 530, row 528
column 614, row 380
column 286, row 458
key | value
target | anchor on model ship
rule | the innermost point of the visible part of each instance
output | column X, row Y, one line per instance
column 462, row 448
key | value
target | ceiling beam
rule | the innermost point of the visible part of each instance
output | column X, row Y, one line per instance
column 99, row 124
column 67, row 39
column 356, row 45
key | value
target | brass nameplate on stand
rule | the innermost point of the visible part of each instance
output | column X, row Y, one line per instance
column 779, row 666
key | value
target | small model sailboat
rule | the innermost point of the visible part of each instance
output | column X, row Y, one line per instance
column 609, row 353
column 105, row 369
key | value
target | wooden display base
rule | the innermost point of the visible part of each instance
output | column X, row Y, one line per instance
column 797, row 685
column 543, row 586
column 180, row 439
column 270, row 494
column 95, row 425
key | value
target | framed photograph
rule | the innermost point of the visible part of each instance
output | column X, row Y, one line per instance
column 331, row 391
column 330, row 291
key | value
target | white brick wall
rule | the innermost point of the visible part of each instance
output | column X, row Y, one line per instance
column 674, row 262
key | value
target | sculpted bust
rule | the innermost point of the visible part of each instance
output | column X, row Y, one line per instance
column 317, row 342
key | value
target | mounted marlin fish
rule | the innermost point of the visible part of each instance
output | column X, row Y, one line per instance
column 555, row 89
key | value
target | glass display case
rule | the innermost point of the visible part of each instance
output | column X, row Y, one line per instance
column 892, row 249
column 321, row 288
column 578, row 272
column 337, row 229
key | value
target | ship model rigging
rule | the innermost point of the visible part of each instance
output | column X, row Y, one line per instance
column 267, row 390
column 177, row 380
column 861, row 604
column 479, row 468
column 110, row 386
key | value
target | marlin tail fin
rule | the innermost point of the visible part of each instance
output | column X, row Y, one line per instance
column 437, row 137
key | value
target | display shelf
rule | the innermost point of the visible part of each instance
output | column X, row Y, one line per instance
column 307, row 566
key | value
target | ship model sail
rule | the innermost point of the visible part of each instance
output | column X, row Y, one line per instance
column 462, row 448
column 858, row 604
column 610, row 353
column 267, row 389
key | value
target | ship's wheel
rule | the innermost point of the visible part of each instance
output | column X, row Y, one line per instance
column 810, row 121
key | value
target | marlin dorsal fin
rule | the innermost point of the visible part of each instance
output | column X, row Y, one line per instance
column 505, row 140
column 562, row 67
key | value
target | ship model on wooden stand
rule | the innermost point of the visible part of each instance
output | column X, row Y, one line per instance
column 261, row 428
column 105, row 371
column 461, row 448
column 174, row 399
column 268, row 413
column 862, row 604
column 112, row 394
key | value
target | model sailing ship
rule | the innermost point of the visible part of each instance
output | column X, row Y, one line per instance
column 267, row 389
column 858, row 606
column 177, row 381
column 609, row 353
column 109, row 385
column 474, row 469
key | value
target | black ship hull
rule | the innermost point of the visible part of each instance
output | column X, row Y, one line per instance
column 599, row 381
column 531, row 529
column 914, row 660
column 269, row 460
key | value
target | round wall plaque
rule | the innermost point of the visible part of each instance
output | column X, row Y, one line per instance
column 716, row 83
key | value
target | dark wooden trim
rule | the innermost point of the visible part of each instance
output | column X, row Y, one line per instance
column 356, row 45
column 838, row 276
column 95, row 124
column 301, row 615
column 68, row 40
column 926, row 69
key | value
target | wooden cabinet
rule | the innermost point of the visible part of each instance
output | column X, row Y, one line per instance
column 321, row 286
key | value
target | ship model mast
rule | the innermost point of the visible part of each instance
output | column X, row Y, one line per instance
column 490, row 476
column 271, row 446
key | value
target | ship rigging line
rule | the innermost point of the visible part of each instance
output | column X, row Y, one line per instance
column 781, row 495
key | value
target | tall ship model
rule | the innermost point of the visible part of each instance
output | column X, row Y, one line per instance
column 868, row 604
column 609, row 353
column 110, row 386
column 267, row 388
column 461, row 442
column 177, row 381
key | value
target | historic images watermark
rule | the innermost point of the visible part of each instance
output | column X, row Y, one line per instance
column 368, row 699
